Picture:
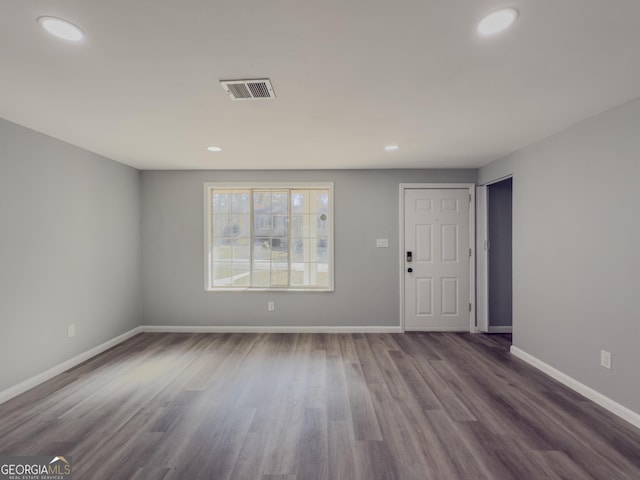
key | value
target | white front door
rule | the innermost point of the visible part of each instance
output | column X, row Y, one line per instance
column 436, row 259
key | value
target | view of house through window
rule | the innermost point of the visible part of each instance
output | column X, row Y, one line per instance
column 268, row 237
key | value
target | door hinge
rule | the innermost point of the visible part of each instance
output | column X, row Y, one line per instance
column 469, row 252
column 469, row 198
column 469, row 306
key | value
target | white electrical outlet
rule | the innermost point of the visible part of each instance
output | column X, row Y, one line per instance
column 71, row 330
column 605, row 359
column 271, row 306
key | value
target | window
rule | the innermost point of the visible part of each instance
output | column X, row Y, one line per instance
column 269, row 236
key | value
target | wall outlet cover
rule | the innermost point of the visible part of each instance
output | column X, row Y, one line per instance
column 605, row 359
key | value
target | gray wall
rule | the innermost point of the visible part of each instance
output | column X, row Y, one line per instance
column 576, row 257
column 499, row 214
column 69, row 251
column 366, row 278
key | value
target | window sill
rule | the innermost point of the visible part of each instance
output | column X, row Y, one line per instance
column 292, row 289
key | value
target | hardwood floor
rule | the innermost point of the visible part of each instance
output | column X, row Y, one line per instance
column 317, row 406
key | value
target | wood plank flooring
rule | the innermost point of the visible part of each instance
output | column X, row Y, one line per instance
column 317, row 406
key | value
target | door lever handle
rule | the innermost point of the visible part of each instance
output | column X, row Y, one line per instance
column 410, row 270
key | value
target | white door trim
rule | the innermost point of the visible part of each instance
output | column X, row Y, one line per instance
column 497, row 180
column 471, row 187
column 482, row 257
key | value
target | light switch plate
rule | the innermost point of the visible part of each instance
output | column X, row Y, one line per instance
column 382, row 243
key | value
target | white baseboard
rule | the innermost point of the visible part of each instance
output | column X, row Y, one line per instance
column 36, row 380
column 267, row 329
column 504, row 329
column 614, row 407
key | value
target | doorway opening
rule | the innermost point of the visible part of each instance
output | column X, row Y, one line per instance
column 495, row 267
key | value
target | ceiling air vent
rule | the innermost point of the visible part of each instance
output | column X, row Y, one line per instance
column 248, row 89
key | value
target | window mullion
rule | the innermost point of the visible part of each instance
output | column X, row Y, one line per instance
column 289, row 273
column 272, row 222
column 211, row 239
column 251, row 239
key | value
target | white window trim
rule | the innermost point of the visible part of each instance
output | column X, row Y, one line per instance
column 269, row 185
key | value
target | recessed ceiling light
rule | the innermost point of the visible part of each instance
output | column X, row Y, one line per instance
column 391, row 148
column 214, row 149
column 497, row 21
column 61, row 28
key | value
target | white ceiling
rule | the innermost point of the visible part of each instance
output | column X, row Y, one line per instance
column 350, row 76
